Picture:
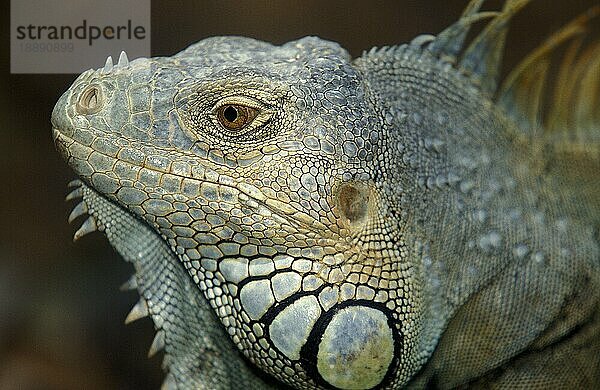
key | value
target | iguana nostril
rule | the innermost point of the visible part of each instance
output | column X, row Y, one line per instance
column 90, row 100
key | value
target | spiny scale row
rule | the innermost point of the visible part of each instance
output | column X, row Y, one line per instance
column 140, row 310
column 123, row 63
column 80, row 209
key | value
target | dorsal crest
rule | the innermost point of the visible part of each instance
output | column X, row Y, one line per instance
column 564, row 105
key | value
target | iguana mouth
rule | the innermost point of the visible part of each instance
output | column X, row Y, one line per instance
column 302, row 220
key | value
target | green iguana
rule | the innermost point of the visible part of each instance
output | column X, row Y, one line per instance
column 296, row 217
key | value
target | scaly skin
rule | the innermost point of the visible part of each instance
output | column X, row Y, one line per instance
column 380, row 222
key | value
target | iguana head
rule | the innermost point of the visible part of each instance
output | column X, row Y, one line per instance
column 336, row 214
column 262, row 168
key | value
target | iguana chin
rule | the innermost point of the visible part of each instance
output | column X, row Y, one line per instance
column 394, row 220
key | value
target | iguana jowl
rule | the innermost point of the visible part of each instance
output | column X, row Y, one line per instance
column 386, row 221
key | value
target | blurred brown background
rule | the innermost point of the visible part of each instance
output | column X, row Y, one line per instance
column 61, row 312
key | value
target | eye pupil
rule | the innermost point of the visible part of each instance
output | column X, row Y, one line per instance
column 235, row 117
column 230, row 113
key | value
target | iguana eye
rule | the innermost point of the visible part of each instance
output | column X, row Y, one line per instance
column 236, row 116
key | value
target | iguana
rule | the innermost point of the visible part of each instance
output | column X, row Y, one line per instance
column 296, row 217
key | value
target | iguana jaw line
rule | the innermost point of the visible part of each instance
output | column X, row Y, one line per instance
column 302, row 220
